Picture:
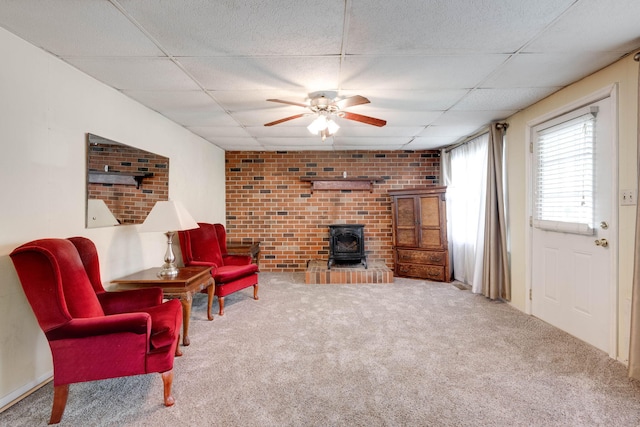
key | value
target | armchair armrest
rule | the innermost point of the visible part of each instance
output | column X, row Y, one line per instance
column 137, row 323
column 130, row 300
column 237, row 259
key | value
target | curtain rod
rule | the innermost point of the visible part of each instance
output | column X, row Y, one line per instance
column 474, row 136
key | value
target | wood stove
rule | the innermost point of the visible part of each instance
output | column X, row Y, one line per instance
column 346, row 243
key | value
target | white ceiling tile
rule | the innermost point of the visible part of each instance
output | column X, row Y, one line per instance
column 260, row 117
column 379, row 132
column 217, row 131
column 235, row 143
column 307, row 143
column 284, row 131
column 429, row 143
column 551, row 70
column 264, row 73
column 493, row 99
column 449, row 132
column 265, row 27
column 239, row 100
column 593, row 26
column 163, row 100
column 76, row 28
column 371, row 141
column 474, row 119
column 398, row 117
column 135, row 73
column 418, row 72
column 408, row 99
column 419, row 26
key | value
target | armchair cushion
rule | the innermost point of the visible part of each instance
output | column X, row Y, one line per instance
column 229, row 273
column 204, row 246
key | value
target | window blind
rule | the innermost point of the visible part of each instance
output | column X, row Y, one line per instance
column 565, row 175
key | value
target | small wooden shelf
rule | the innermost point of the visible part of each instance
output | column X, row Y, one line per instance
column 339, row 183
column 98, row 177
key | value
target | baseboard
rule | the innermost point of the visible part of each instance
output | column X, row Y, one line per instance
column 24, row 391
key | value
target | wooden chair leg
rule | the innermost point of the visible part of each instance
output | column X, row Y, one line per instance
column 221, row 304
column 167, row 380
column 60, row 394
column 178, row 352
column 255, row 291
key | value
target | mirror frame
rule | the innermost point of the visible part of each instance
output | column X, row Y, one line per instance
column 123, row 183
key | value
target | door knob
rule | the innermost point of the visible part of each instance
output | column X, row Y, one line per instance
column 602, row 242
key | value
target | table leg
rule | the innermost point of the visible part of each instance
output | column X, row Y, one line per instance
column 186, row 302
column 210, row 292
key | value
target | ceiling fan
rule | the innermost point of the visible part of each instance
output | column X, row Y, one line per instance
column 325, row 108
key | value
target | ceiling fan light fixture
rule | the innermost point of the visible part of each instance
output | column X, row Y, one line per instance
column 325, row 109
column 318, row 125
column 332, row 126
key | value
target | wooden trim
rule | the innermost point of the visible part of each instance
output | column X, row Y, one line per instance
column 338, row 183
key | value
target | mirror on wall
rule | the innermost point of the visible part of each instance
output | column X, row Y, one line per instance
column 123, row 182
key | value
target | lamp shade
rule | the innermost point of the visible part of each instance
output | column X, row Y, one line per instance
column 168, row 216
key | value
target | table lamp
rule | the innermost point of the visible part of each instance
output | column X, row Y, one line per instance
column 168, row 215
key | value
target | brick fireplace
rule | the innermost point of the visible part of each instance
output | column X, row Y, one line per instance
column 269, row 198
column 346, row 244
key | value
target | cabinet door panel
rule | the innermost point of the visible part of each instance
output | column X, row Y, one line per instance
column 430, row 211
column 406, row 212
column 406, row 222
column 431, row 239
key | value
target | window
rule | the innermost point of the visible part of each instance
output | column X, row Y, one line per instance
column 564, row 186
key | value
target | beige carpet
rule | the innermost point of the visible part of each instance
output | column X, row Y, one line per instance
column 412, row 353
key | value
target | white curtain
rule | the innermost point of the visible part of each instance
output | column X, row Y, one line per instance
column 466, row 180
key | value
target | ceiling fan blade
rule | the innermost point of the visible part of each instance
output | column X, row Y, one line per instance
column 281, row 101
column 286, row 119
column 364, row 119
column 351, row 101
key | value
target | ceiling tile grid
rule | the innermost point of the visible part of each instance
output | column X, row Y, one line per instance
column 436, row 71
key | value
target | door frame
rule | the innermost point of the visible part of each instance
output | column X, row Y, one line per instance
column 610, row 91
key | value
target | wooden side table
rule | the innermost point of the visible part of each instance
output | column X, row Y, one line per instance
column 240, row 248
column 188, row 281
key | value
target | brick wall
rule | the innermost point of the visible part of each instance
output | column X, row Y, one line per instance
column 266, row 200
column 130, row 205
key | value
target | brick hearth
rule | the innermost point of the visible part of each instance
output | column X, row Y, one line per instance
column 317, row 273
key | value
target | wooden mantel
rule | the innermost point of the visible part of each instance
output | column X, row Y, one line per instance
column 340, row 183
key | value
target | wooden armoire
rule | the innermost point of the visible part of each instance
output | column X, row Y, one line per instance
column 420, row 244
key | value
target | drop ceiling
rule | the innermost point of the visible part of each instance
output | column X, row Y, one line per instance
column 435, row 70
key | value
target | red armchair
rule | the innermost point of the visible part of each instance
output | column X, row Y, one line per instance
column 94, row 334
column 204, row 246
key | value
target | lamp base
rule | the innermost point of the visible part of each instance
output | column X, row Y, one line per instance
column 169, row 268
column 168, row 271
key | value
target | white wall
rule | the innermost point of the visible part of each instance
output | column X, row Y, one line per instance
column 624, row 73
column 46, row 108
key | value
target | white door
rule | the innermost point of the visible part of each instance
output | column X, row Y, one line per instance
column 572, row 264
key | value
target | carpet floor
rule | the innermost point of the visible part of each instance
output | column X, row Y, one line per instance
column 410, row 353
